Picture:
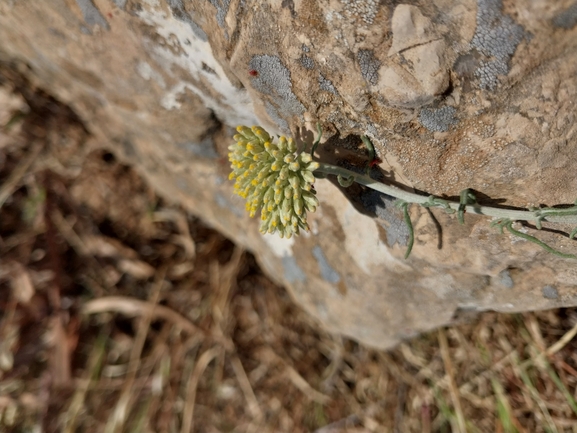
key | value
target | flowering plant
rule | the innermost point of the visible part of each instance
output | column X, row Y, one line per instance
column 271, row 177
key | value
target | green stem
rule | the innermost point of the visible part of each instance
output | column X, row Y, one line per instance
column 407, row 218
column 509, row 226
column 410, row 197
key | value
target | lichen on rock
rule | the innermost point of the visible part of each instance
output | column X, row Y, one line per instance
column 326, row 84
column 274, row 80
column 307, row 62
column 180, row 13
column 369, row 65
column 438, row 120
column 567, row 18
column 497, row 37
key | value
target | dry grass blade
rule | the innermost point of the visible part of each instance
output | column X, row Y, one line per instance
column 506, row 418
column 135, row 307
column 10, row 185
column 562, row 342
column 223, row 281
column 179, row 219
column 69, row 234
column 253, row 406
column 561, row 386
column 521, row 372
column 349, row 424
column 453, row 389
column 122, row 408
column 554, row 348
column 300, row 382
column 188, row 412
column 540, row 361
column 77, row 401
column 297, row 380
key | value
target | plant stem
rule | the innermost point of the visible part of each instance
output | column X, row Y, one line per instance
column 410, row 197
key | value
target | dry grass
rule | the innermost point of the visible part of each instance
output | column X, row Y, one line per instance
column 121, row 314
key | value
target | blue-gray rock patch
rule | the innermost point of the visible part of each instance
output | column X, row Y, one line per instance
column 550, row 292
column 91, row 14
column 224, row 203
column 382, row 205
column 180, row 13
column 326, row 271
column 204, row 149
column 292, row 271
column 505, row 279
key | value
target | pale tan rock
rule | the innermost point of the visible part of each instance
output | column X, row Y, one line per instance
column 418, row 79
column 480, row 94
column 410, row 28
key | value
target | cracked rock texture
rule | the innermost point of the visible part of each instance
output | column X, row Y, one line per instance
column 473, row 94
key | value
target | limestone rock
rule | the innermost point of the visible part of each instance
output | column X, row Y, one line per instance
column 410, row 28
column 477, row 95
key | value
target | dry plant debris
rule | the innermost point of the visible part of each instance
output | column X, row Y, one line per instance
column 121, row 313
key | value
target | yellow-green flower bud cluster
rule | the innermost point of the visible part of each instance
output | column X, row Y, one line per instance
column 273, row 179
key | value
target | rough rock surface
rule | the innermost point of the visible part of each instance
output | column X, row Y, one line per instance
column 477, row 94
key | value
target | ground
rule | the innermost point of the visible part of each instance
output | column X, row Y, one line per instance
column 120, row 312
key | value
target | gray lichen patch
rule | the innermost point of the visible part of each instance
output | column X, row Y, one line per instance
column 438, row 120
column 567, row 18
column 364, row 9
column 307, row 62
column 121, row 4
column 221, row 10
column 497, row 37
column 274, row 79
column 326, row 271
column 91, row 14
column 326, row 84
column 369, row 65
column 180, row 13
column 273, row 113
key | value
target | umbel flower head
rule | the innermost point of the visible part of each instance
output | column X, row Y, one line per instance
column 273, row 179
